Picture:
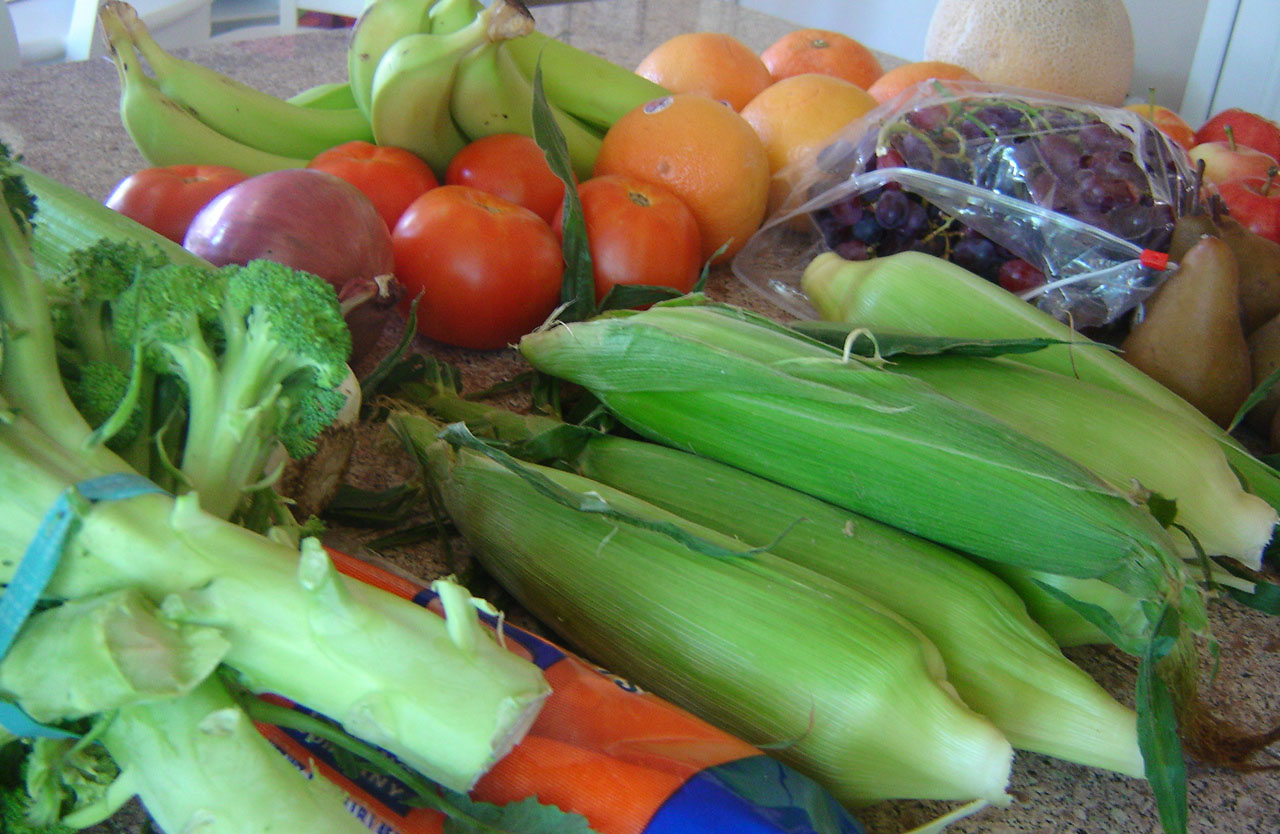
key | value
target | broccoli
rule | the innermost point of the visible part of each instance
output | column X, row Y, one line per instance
column 254, row 352
column 19, row 813
column 259, row 352
column 19, row 200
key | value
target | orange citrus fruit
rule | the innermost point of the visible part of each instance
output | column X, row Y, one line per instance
column 703, row 151
column 797, row 117
column 799, row 114
column 824, row 51
column 710, row 63
column 906, row 76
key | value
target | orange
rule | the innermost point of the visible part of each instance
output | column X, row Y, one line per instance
column 713, row 64
column 824, row 51
column 906, row 76
column 799, row 114
column 703, row 151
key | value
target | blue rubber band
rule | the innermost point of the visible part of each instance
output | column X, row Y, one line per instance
column 37, row 567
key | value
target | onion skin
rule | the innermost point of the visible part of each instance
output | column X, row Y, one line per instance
column 303, row 218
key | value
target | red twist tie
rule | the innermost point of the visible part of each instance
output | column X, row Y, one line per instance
column 1159, row 261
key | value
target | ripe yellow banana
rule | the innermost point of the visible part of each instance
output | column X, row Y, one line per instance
column 166, row 133
column 593, row 89
column 381, row 24
column 413, row 87
column 491, row 95
column 237, row 110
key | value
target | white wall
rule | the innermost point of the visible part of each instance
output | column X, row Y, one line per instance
column 1166, row 33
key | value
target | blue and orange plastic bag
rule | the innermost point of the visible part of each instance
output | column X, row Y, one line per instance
column 627, row 761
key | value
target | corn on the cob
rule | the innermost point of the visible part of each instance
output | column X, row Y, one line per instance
column 916, row 293
column 1002, row 664
column 1121, row 438
column 839, row 686
column 949, row 598
column 870, row 440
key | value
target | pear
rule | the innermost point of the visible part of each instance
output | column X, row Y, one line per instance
column 1259, row 263
column 1190, row 339
column 1264, row 352
column 1257, row 257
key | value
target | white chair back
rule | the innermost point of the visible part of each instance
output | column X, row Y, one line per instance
column 49, row 31
column 9, row 55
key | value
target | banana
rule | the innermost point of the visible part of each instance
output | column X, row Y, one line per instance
column 237, row 110
column 166, row 133
column 413, row 87
column 593, row 89
column 491, row 95
column 381, row 24
column 335, row 95
column 451, row 15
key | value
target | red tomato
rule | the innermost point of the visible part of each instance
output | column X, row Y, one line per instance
column 166, row 199
column 512, row 166
column 391, row 178
column 638, row 233
column 488, row 270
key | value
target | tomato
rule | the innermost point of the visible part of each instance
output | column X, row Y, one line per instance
column 166, row 199
column 488, row 270
column 512, row 166
column 390, row 177
column 638, row 233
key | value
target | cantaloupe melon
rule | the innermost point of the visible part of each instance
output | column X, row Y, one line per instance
column 1078, row 48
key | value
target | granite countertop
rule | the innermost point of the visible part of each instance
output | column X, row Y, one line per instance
column 63, row 119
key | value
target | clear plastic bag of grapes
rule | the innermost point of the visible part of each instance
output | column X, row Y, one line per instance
column 1069, row 204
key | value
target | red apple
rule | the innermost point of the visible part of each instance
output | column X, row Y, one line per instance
column 1255, row 203
column 1167, row 122
column 1224, row 161
column 1250, row 129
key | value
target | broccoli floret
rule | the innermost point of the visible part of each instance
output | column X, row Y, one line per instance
column 17, row 197
column 18, row 811
column 98, row 389
column 259, row 351
column 95, row 367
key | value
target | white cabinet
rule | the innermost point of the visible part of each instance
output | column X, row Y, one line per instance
column 1236, row 62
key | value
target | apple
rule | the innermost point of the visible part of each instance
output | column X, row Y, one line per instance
column 1255, row 203
column 1167, row 122
column 1250, row 130
column 1226, row 161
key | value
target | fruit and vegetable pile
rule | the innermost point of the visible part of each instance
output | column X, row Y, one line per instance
column 834, row 553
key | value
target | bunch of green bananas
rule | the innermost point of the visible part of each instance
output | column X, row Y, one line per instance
column 186, row 113
column 433, row 75
column 425, row 75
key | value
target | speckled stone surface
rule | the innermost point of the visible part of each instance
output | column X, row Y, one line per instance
column 63, row 119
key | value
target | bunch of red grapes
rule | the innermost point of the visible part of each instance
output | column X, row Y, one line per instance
column 1057, row 157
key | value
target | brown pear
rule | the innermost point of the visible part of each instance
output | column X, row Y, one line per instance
column 1190, row 338
column 1259, row 263
column 1264, row 353
column 1257, row 258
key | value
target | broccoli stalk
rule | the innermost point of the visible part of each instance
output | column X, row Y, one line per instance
column 440, row 693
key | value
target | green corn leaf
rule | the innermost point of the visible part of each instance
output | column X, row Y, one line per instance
column 1256, row 396
column 1158, row 730
column 458, row 436
column 866, row 343
column 578, row 287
